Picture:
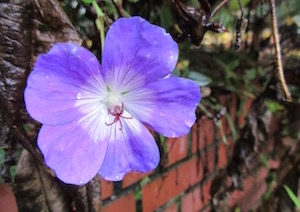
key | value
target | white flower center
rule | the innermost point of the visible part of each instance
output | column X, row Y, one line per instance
column 112, row 100
column 113, row 103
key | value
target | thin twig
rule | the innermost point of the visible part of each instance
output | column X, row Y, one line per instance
column 280, row 73
column 240, row 27
column 217, row 8
column 118, row 8
column 241, row 9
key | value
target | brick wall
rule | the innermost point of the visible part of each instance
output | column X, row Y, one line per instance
column 193, row 173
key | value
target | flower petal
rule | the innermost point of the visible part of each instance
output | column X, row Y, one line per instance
column 131, row 148
column 73, row 155
column 168, row 105
column 61, row 80
column 136, row 52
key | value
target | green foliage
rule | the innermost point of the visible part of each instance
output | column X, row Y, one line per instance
column 274, row 106
column 12, row 168
column 296, row 19
column 195, row 3
column 145, row 181
column 199, row 78
column 292, row 8
column 264, row 160
column 234, row 5
column 2, row 153
column 292, row 196
column 237, row 209
column 138, row 194
column 165, row 16
column 270, row 182
column 87, row 1
column 232, row 126
column 163, row 142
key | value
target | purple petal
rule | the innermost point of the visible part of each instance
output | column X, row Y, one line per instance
column 71, row 152
column 136, row 52
column 130, row 149
column 60, row 81
column 168, row 105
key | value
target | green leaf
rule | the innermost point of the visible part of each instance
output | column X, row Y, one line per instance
column 195, row 3
column 292, row 196
column 200, row 79
column 237, row 209
column 296, row 20
column 234, row 5
column 145, row 181
column 87, row 1
column 2, row 153
column 165, row 15
column 219, row 125
column 274, row 106
column 231, row 125
column 264, row 160
column 250, row 74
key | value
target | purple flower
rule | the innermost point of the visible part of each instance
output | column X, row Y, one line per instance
column 94, row 117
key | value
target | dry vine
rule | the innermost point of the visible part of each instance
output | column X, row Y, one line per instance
column 280, row 73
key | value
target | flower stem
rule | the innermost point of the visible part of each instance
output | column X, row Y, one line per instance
column 99, row 22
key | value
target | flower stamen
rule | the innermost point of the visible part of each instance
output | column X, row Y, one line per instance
column 117, row 113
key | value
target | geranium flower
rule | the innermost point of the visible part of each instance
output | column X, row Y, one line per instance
column 96, row 118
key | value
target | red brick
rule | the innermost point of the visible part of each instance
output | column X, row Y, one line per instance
column 189, row 173
column 260, row 175
column 238, row 195
column 107, row 188
column 125, row 203
column 170, row 184
column 230, row 147
column 132, row 178
column 195, row 136
column 158, row 192
column 7, row 199
column 196, row 199
column 273, row 164
column 205, row 134
column 177, row 149
column 208, row 160
column 253, row 198
column 254, row 188
column 222, row 155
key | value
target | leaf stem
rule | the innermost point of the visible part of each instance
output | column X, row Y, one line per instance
column 99, row 22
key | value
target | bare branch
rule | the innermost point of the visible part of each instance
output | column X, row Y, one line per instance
column 280, row 73
column 217, row 8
